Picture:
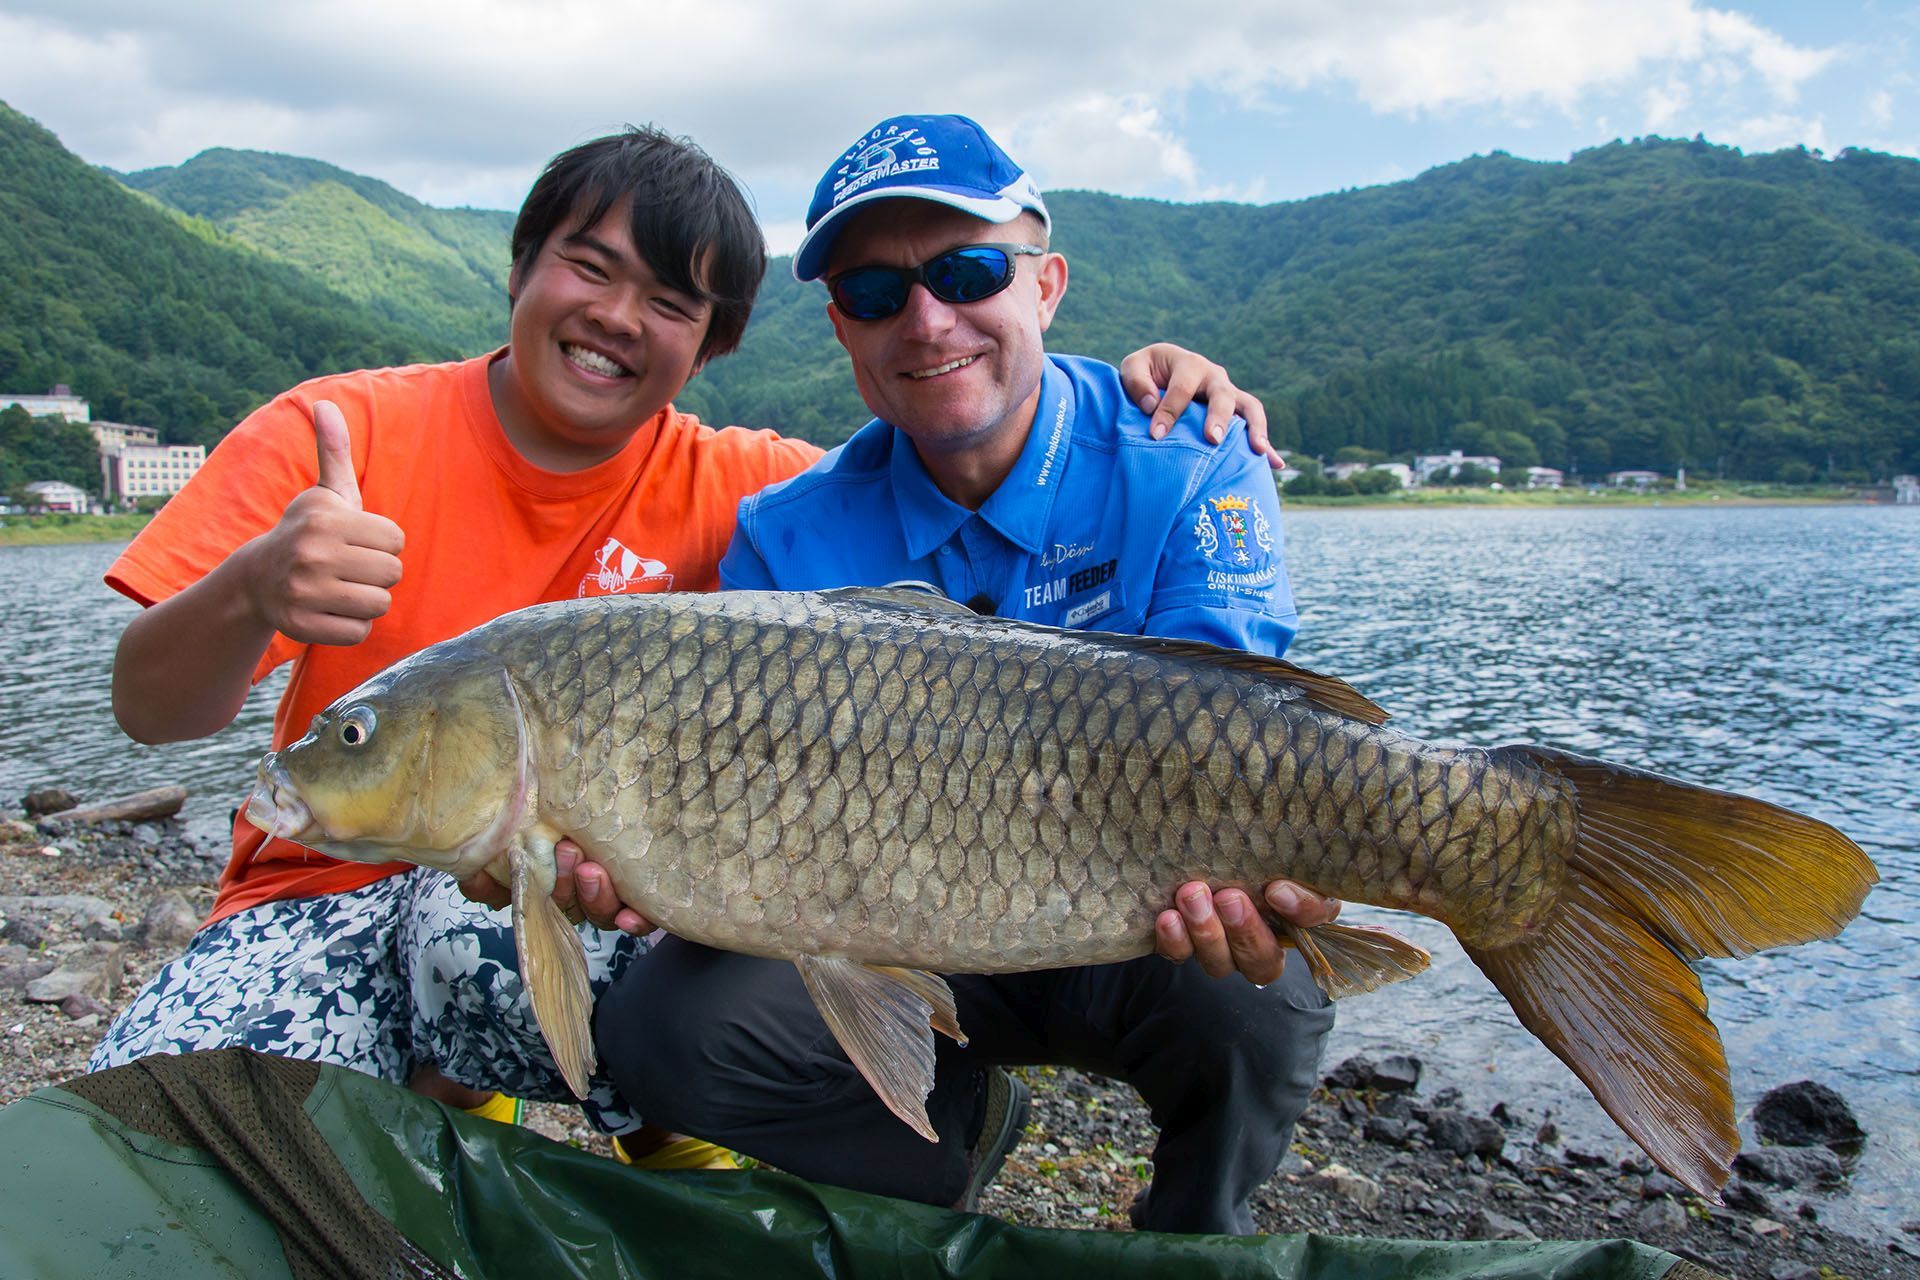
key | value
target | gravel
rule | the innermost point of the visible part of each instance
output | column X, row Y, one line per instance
column 1375, row 1155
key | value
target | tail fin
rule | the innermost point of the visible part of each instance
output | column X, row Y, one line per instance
column 1662, row 872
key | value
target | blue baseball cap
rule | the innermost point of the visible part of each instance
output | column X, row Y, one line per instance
column 949, row 160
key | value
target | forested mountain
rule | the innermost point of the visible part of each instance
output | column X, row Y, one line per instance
column 1646, row 304
column 155, row 318
column 442, row 272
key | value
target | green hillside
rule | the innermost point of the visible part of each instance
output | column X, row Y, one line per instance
column 153, row 317
column 1648, row 304
column 441, row 272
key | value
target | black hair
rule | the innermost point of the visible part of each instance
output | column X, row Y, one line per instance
column 690, row 221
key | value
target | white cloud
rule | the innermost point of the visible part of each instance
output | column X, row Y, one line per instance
column 1880, row 108
column 460, row 101
column 1772, row 132
column 1103, row 141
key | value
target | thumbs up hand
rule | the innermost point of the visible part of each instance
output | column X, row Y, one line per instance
column 324, row 572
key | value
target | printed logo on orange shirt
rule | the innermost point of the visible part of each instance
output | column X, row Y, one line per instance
column 620, row 570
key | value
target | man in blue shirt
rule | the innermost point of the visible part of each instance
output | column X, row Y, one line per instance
column 1027, row 486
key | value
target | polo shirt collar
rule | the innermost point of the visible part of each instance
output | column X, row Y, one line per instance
column 1021, row 507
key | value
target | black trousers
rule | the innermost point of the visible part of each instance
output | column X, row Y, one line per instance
column 729, row 1048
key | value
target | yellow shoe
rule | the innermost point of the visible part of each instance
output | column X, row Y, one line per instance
column 499, row 1107
column 686, row 1153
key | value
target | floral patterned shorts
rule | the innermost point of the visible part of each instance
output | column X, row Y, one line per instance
column 402, row 973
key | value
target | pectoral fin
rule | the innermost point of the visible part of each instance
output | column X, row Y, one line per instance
column 1349, row 960
column 884, row 1018
column 553, row 968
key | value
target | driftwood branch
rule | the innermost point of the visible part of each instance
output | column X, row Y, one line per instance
column 159, row 802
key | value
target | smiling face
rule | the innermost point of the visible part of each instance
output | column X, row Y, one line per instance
column 599, row 345
column 961, row 379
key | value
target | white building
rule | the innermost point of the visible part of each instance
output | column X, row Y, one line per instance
column 1633, row 479
column 1444, row 466
column 1906, row 490
column 58, row 495
column 150, row 470
column 59, row 401
column 1545, row 478
column 114, row 436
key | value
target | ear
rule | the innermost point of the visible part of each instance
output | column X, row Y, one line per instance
column 1052, row 279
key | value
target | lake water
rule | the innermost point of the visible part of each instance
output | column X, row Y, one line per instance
column 1771, row 651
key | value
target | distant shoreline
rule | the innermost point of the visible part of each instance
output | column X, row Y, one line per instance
column 52, row 531
column 56, row 531
column 1725, row 495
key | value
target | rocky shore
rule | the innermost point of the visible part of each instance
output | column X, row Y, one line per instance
column 88, row 913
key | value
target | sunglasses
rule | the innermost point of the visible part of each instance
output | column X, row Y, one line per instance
column 966, row 274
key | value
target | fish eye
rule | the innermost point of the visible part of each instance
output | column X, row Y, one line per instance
column 356, row 726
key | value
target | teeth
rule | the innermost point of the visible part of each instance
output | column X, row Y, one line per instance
column 592, row 361
column 948, row 367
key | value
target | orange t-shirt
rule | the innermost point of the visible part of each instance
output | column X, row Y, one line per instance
column 486, row 533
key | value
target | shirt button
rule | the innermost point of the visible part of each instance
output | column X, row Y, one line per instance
column 946, row 551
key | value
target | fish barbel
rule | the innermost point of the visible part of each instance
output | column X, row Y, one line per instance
column 881, row 787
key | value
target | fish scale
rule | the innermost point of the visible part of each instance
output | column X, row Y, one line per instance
column 997, row 751
column 882, row 787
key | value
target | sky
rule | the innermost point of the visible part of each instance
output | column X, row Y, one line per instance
column 459, row 102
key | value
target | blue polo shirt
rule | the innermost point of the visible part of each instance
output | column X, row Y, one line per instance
column 1098, row 525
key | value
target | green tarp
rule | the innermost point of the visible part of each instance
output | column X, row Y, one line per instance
column 232, row 1164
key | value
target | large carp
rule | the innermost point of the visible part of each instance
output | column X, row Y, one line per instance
column 881, row 787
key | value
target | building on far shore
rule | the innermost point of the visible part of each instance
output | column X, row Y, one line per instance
column 1444, row 466
column 1906, row 491
column 1633, row 479
column 58, row 495
column 57, row 402
column 149, row 470
column 1545, row 478
column 133, row 462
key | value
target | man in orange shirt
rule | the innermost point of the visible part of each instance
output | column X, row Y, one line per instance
column 440, row 497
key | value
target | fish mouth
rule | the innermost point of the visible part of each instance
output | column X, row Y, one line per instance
column 275, row 807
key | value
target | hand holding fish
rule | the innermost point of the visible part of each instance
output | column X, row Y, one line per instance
column 582, row 889
column 324, row 572
column 1224, row 931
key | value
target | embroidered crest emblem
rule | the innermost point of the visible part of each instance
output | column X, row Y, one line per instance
column 1262, row 531
column 1232, row 512
column 619, row 570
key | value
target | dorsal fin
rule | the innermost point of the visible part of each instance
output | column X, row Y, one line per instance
column 901, row 598
column 1326, row 692
column 1330, row 693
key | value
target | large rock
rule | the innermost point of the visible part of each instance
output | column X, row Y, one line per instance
column 1805, row 1114
column 1398, row 1074
column 90, row 970
column 1745, row 1196
column 16, row 974
column 1354, row 1073
column 47, row 800
column 83, row 913
column 1357, row 1189
column 1393, row 1132
column 1791, row 1166
column 1466, row 1135
column 1485, row 1224
column 1659, row 1217
column 169, row 923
